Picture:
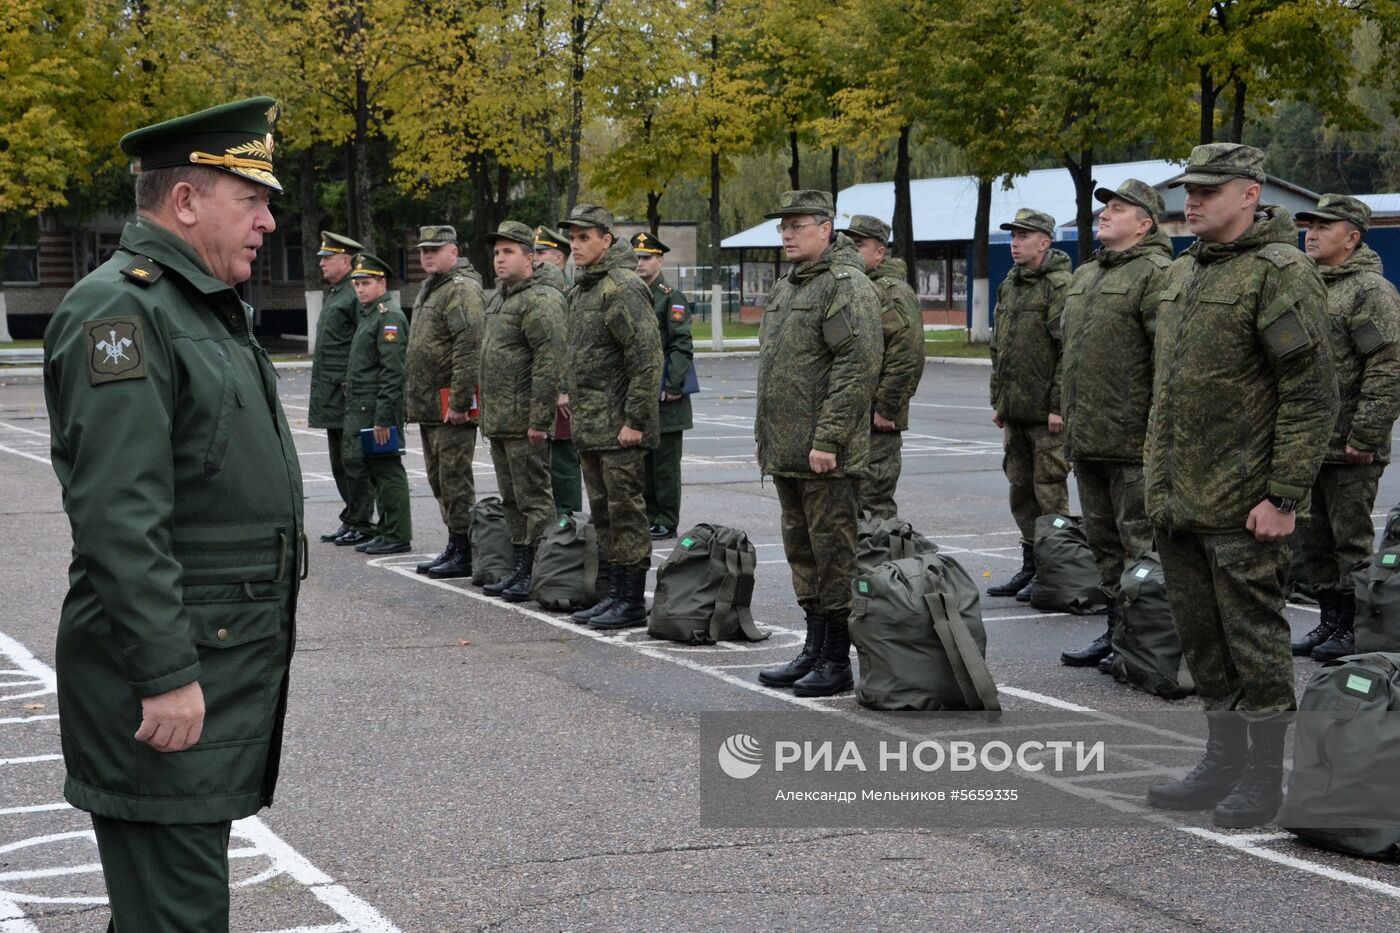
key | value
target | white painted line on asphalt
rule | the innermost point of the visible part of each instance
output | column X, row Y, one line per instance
column 1033, row 615
column 27, row 456
column 1243, row 844
column 23, row 430
column 32, row 759
column 1045, row 700
column 37, row 808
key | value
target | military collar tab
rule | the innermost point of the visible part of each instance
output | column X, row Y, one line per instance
column 144, row 270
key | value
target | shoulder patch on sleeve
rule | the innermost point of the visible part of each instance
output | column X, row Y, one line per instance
column 143, row 270
column 678, row 313
column 1278, row 254
column 116, row 349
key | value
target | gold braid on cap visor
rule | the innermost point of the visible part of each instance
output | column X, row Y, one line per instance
column 258, row 168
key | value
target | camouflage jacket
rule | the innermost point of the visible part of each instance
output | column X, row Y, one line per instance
column 375, row 377
column 522, row 358
column 819, row 355
column 673, row 313
column 614, row 353
column 1243, row 393
column 551, row 274
column 445, row 351
column 334, row 328
column 1109, row 324
column 902, row 324
column 1026, row 340
column 1363, row 311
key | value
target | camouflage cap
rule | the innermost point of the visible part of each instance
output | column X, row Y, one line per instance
column 588, row 215
column 368, row 265
column 804, row 202
column 514, row 231
column 234, row 138
column 1034, row 221
column 1216, row 163
column 333, row 244
column 648, row 245
column 1134, row 192
column 439, row 235
column 872, row 228
column 1340, row 207
column 546, row 238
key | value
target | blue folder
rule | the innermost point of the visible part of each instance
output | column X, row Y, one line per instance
column 370, row 449
column 692, row 382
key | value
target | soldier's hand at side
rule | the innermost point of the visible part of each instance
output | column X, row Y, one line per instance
column 172, row 721
column 1267, row 523
column 996, row 420
column 1055, row 423
column 1359, row 456
column 629, row 437
column 537, row 438
column 457, row 417
column 381, row 435
column 882, row 423
column 563, row 406
column 820, row 461
column 670, row 396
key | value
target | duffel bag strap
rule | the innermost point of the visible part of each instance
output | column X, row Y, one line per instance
column 736, row 592
column 969, row 668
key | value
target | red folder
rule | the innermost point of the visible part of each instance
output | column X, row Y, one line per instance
column 445, row 397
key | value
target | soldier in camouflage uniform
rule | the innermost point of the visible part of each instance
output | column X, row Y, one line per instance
column 552, row 250
column 1243, row 400
column 1026, row 384
column 522, row 368
column 445, row 353
column 901, row 368
column 1109, row 321
column 673, row 314
column 610, row 397
column 819, row 356
column 1363, row 312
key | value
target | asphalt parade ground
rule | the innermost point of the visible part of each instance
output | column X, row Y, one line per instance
column 456, row 763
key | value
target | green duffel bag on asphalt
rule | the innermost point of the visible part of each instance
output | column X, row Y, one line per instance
column 1341, row 792
column 1377, row 623
column 882, row 539
column 1146, row 647
column 705, row 588
column 1390, row 537
column 564, row 577
column 1066, row 577
column 493, row 557
column 917, row 627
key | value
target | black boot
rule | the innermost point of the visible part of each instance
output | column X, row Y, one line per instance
column 500, row 586
column 1327, row 603
column 1020, row 579
column 832, row 674
column 785, row 675
column 1023, row 595
column 1096, row 650
column 446, row 553
column 1343, row 640
column 1106, row 663
column 614, row 575
column 1258, row 795
column 458, row 563
column 1219, row 771
column 519, row 591
column 629, row 610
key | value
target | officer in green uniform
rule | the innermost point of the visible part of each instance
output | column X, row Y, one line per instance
column 551, row 258
column 673, row 314
column 1243, row 401
column 901, row 366
column 374, row 393
column 183, row 492
column 334, row 328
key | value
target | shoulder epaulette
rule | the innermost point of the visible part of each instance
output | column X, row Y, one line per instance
column 665, row 289
column 459, row 280
column 382, row 309
column 841, row 275
column 1158, row 260
column 1278, row 254
column 1059, row 278
column 144, row 270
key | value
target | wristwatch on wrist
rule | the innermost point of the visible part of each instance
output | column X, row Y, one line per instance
column 1284, row 504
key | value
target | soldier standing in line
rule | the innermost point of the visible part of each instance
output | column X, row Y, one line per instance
column 819, row 356
column 673, row 313
column 326, row 409
column 610, row 397
column 552, row 250
column 1363, row 311
column 1109, row 321
column 445, row 356
column 521, row 372
column 901, row 367
column 1026, row 384
column 1243, row 401
column 374, row 400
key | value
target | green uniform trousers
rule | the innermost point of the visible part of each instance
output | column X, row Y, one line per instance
column 522, row 475
column 614, row 480
column 390, row 483
column 164, row 879
column 886, row 461
column 663, row 480
column 1339, row 536
column 1226, row 595
column 1115, row 517
column 352, row 482
column 1035, row 467
column 448, row 450
column 565, row 477
column 819, row 539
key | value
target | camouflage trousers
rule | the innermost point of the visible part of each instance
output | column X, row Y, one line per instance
column 1115, row 517
column 352, row 482
column 565, row 477
column 1226, row 596
column 663, row 485
column 1339, row 535
column 877, row 488
column 1035, row 467
column 819, row 539
column 522, row 475
column 448, row 450
column 614, row 481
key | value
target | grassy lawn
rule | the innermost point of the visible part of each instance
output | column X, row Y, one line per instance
column 952, row 343
column 22, row 345
column 733, row 330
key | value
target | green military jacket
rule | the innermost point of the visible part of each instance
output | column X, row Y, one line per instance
column 445, row 352
column 522, row 358
column 902, row 324
column 673, row 314
column 1243, row 394
column 554, row 276
column 1363, row 311
column 614, row 353
column 819, row 355
column 1109, row 324
column 183, row 492
column 375, row 375
column 1026, row 340
column 334, row 329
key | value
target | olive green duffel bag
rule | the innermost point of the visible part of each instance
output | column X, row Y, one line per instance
column 1146, row 647
column 1377, row 623
column 564, row 577
column 493, row 557
column 705, row 588
column 1066, row 577
column 882, row 539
